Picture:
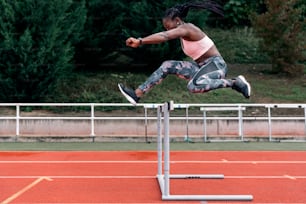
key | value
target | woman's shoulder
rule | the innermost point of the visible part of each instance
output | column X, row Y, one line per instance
column 191, row 25
column 195, row 33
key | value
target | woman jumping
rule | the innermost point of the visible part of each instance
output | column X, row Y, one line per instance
column 206, row 72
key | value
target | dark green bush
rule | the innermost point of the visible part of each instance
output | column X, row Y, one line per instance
column 36, row 41
column 236, row 13
column 238, row 45
column 282, row 29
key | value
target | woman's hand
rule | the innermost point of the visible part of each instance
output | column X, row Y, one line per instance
column 133, row 42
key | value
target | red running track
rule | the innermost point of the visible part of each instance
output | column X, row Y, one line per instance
column 130, row 176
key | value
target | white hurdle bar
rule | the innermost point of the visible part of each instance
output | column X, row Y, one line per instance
column 163, row 174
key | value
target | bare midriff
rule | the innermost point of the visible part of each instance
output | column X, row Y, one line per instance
column 213, row 51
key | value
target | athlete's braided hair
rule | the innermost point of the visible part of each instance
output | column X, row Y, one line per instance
column 181, row 10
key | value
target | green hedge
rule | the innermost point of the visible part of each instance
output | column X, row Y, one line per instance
column 37, row 46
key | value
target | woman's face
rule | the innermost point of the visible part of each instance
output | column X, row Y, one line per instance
column 169, row 23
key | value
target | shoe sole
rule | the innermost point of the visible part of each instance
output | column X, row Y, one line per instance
column 130, row 99
column 247, row 83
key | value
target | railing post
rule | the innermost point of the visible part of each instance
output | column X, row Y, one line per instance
column 305, row 120
column 187, row 137
column 205, row 126
column 269, row 123
column 92, row 134
column 17, row 122
column 146, row 124
column 240, row 123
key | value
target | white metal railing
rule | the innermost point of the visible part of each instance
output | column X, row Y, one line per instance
column 92, row 117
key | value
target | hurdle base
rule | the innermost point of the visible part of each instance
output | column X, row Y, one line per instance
column 196, row 176
column 169, row 197
column 208, row 197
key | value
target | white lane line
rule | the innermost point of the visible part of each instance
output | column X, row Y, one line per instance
column 80, row 177
column 153, row 161
column 180, row 202
column 28, row 187
column 145, row 177
column 267, row 177
column 290, row 177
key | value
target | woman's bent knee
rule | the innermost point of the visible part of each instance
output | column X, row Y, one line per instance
column 192, row 88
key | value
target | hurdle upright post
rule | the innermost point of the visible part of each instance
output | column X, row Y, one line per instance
column 166, row 108
column 159, row 141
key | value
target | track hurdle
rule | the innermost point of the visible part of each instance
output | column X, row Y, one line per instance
column 163, row 174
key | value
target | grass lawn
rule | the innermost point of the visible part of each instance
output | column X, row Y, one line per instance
column 266, row 88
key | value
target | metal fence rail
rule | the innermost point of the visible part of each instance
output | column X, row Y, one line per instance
column 93, row 117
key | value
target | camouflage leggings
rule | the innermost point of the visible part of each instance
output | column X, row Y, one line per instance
column 202, row 77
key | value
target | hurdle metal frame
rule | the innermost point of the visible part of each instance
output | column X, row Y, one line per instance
column 163, row 174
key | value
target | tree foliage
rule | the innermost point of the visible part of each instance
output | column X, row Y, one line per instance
column 237, row 13
column 105, row 34
column 282, row 29
column 42, row 41
column 36, row 41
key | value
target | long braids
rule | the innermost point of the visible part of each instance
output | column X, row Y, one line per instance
column 181, row 10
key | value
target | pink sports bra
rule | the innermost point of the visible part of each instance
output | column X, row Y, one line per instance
column 196, row 49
